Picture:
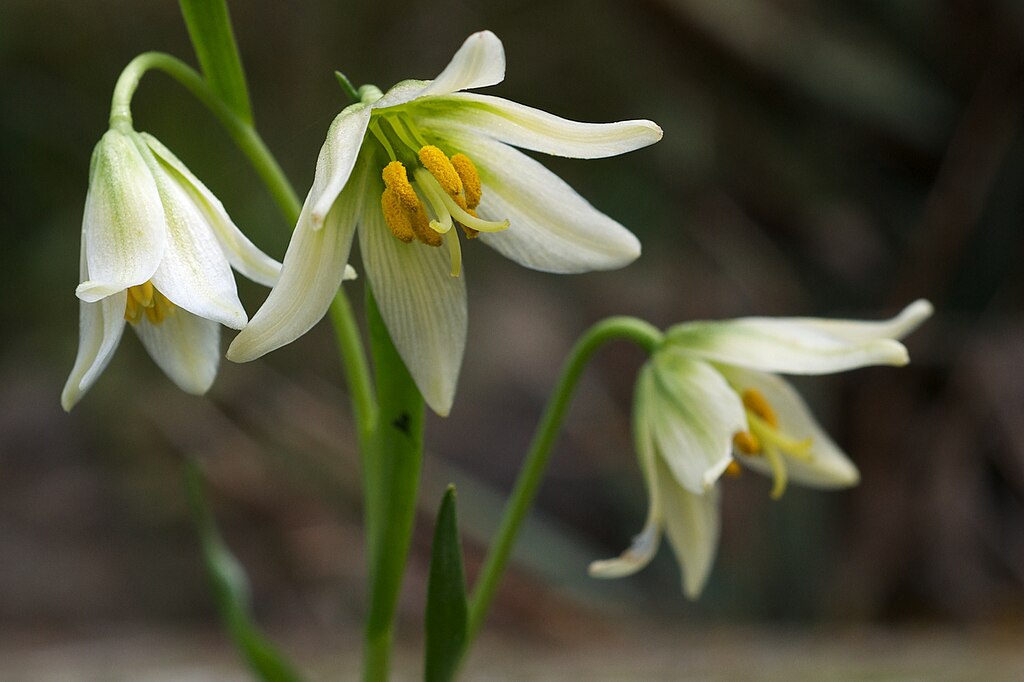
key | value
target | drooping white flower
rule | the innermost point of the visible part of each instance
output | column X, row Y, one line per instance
column 413, row 168
column 157, row 252
column 709, row 399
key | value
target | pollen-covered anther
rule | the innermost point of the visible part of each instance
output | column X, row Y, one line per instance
column 755, row 401
column 396, row 216
column 396, row 179
column 470, row 179
column 440, row 166
column 747, row 443
column 733, row 470
column 421, row 228
column 145, row 300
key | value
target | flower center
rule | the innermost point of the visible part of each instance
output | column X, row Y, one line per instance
column 765, row 439
column 443, row 192
column 145, row 300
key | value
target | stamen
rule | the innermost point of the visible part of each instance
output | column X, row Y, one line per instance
column 470, row 220
column 143, row 294
column 747, row 443
column 395, row 178
column 403, row 135
column 379, row 134
column 132, row 312
column 733, row 470
column 800, row 449
column 145, row 299
column 396, row 216
column 435, row 196
column 778, row 472
column 454, row 253
column 755, row 401
column 439, row 165
column 421, row 227
column 470, row 179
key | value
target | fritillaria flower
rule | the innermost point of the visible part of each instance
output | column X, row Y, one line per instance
column 710, row 400
column 157, row 252
column 419, row 170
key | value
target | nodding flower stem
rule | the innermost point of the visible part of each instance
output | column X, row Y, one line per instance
column 522, row 497
column 243, row 134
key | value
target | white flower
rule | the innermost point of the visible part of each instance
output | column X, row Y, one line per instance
column 708, row 400
column 157, row 252
column 414, row 167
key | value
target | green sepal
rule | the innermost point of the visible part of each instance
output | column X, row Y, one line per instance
column 447, row 607
column 231, row 588
column 209, row 28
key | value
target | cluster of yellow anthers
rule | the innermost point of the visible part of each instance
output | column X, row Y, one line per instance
column 764, row 438
column 145, row 299
column 450, row 186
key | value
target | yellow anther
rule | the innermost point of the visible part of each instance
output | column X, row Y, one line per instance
column 755, row 401
column 747, row 443
column 470, row 179
column 734, row 469
column 396, row 216
column 143, row 293
column 144, row 299
column 420, row 222
column 396, row 179
column 132, row 312
column 440, row 166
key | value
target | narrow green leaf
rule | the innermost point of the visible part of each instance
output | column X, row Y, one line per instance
column 209, row 27
column 447, row 608
column 231, row 588
column 391, row 474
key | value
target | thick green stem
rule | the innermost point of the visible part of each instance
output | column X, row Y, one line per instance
column 531, row 474
column 391, row 470
column 243, row 134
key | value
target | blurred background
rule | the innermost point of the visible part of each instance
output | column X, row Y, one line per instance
column 834, row 159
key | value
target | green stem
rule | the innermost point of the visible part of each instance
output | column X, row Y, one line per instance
column 530, row 475
column 244, row 135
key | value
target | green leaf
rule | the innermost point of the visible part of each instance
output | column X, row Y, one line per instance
column 231, row 588
column 447, row 608
column 391, row 474
column 209, row 27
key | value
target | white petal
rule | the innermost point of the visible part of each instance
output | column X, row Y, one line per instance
column 186, row 347
column 693, row 525
column 100, row 326
column 553, row 228
column 478, row 63
column 786, row 345
column 423, row 306
column 123, row 225
column 243, row 255
column 830, row 468
column 336, row 160
column 529, row 128
column 909, row 319
column 694, row 416
column 401, row 93
column 313, row 269
column 644, row 545
column 194, row 273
